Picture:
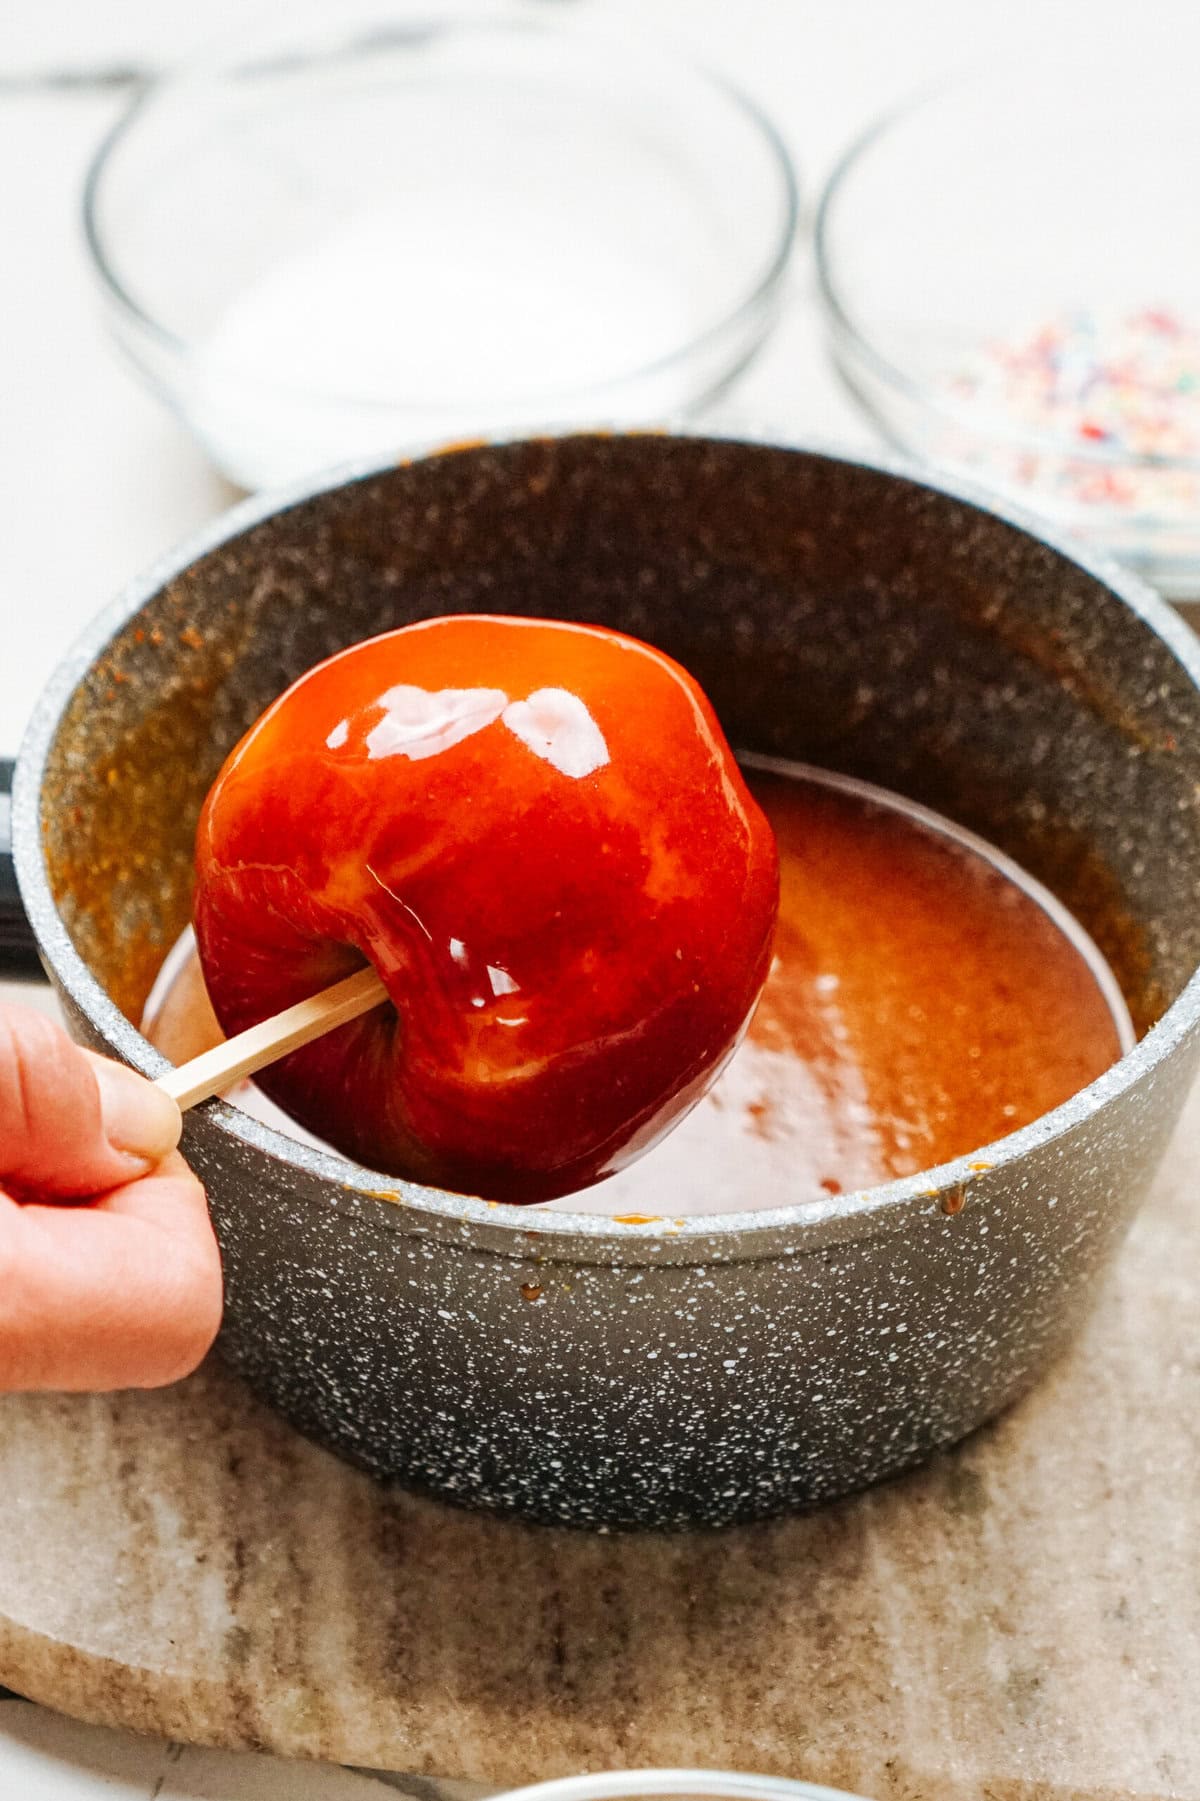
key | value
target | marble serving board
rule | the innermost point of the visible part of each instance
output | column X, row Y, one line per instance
column 1019, row 1620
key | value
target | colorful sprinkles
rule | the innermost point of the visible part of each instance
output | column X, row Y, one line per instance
column 1118, row 391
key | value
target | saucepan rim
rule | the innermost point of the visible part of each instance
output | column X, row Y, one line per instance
column 800, row 1228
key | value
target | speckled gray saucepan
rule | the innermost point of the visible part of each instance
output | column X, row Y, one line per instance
column 567, row 1367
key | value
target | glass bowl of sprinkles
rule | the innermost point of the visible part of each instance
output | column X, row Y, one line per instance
column 1011, row 276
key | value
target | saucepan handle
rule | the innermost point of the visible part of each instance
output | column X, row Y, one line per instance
column 18, row 946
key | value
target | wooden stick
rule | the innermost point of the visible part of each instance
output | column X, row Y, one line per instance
column 206, row 1075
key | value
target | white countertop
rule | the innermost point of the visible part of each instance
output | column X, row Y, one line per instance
column 97, row 479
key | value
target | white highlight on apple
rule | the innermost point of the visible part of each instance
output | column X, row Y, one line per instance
column 419, row 724
column 553, row 723
column 556, row 726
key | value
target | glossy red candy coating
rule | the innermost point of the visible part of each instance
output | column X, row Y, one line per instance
column 537, row 834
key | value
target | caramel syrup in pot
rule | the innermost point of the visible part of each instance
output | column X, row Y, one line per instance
column 925, row 998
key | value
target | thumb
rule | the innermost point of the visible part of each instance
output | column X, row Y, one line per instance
column 72, row 1123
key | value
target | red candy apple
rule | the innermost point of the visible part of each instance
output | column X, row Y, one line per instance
column 537, row 834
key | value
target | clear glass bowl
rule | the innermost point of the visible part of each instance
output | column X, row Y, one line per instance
column 678, row 1785
column 1011, row 276
column 360, row 231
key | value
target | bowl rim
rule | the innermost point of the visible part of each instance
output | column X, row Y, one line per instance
column 847, row 329
column 519, row 18
column 806, row 1226
column 676, row 1784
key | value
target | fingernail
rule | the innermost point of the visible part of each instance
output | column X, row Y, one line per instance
column 139, row 1120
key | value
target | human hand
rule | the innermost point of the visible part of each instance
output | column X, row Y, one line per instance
column 109, row 1272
